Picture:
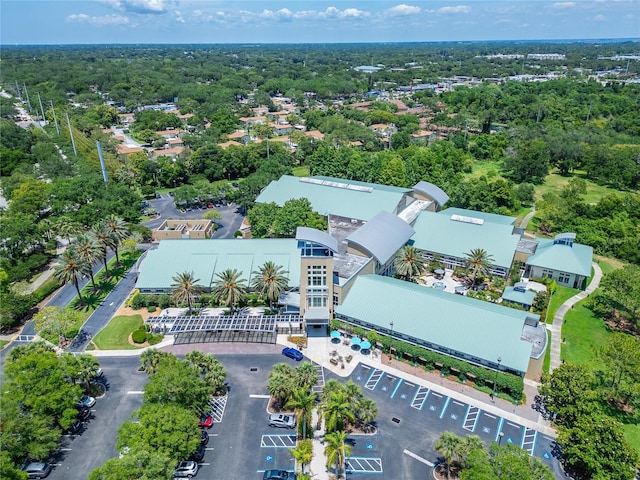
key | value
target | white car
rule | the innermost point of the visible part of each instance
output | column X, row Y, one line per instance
column 86, row 402
column 186, row 469
column 282, row 420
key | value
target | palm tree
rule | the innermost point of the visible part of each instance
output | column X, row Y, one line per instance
column 185, row 288
column 302, row 402
column 336, row 450
column 270, row 280
column 306, row 375
column 68, row 228
column 366, row 411
column 229, row 287
column 449, row 446
column 279, row 387
column 119, row 231
column 337, row 412
column 70, row 268
column 303, row 453
column 467, row 445
column 408, row 263
column 150, row 359
column 479, row 262
column 104, row 239
column 89, row 252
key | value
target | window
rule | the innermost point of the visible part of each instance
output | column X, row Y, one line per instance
column 336, row 299
column 316, row 301
column 564, row 278
column 547, row 273
column 317, row 275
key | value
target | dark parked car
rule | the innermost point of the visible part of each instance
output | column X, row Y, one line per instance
column 292, row 353
column 204, row 437
column 84, row 414
column 278, row 475
column 36, row 469
column 74, row 428
column 198, row 455
column 206, row 421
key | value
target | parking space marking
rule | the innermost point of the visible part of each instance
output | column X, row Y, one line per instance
column 218, row 405
column 363, row 465
column 529, row 439
column 317, row 388
column 396, row 389
column 278, row 441
column 417, row 457
column 499, row 429
column 471, row 418
column 135, row 392
column 489, row 415
column 419, row 398
column 444, row 409
column 259, row 396
column 373, row 380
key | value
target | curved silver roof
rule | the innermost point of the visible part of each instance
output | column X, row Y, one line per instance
column 382, row 236
column 317, row 236
column 431, row 190
column 565, row 236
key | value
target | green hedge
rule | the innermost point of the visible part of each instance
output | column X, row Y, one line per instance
column 507, row 383
column 46, row 289
column 139, row 336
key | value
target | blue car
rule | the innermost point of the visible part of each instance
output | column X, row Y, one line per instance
column 292, row 353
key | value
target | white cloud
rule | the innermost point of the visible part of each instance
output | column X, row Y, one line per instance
column 402, row 10
column 563, row 5
column 178, row 16
column 138, row 6
column 456, row 9
column 98, row 21
column 599, row 18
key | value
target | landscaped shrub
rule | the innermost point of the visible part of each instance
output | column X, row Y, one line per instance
column 164, row 301
column 72, row 332
column 151, row 309
column 138, row 301
column 139, row 336
column 46, row 289
column 154, row 339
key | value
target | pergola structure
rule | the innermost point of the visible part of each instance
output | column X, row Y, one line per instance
column 225, row 328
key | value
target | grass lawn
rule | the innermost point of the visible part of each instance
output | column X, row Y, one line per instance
column 554, row 182
column 547, row 355
column 561, row 295
column 3, row 343
column 632, row 433
column 583, row 333
column 115, row 336
column 486, row 168
column 301, row 171
column 608, row 265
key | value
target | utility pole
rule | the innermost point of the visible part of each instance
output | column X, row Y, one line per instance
column 73, row 142
column 588, row 113
column 55, row 119
column 538, row 116
column 18, row 90
column 44, row 120
column 27, row 95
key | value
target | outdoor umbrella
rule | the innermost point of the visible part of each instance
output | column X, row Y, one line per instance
column 439, row 271
column 366, row 345
column 335, row 334
column 355, row 341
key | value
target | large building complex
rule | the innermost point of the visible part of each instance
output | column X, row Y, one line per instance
column 346, row 271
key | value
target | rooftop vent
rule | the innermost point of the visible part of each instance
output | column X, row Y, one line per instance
column 329, row 183
column 465, row 219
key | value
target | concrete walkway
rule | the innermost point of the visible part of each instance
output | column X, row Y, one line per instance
column 558, row 318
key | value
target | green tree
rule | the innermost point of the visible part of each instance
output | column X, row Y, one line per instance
column 104, row 239
column 337, row 412
column 270, row 280
column 479, row 262
column 337, row 450
column 185, row 288
column 303, row 453
column 118, row 232
column 151, row 358
column 70, row 268
column 176, row 382
column 229, row 287
column 141, row 464
column 620, row 357
column 280, row 383
column 210, row 370
column 595, row 446
column 449, row 446
column 408, row 263
column 8, row 470
column 56, row 321
column 620, row 291
column 306, row 375
column 89, row 253
column 302, row 402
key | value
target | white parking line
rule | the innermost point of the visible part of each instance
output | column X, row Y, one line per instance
column 135, row 392
column 259, row 396
column 417, row 457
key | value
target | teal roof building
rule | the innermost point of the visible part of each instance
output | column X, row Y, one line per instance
column 477, row 331
column 452, row 233
column 206, row 258
column 335, row 196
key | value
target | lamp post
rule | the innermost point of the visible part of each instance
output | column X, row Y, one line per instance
column 500, row 435
column 391, row 349
column 495, row 380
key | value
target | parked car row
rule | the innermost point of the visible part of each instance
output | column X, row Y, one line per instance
column 189, row 468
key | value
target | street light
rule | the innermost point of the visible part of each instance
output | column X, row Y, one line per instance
column 391, row 329
column 495, row 380
column 500, row 435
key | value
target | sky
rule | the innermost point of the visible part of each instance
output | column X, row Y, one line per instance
column 312, row 21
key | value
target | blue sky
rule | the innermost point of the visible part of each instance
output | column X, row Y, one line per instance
column 315, row 21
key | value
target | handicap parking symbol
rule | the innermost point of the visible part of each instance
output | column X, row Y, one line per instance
column 269, row 458
column 358, row 378
column 546, row 455
column 369, row 446
column 486, row 429
column 403, row 396
column 509, row 440
column 454, row 416
column 432, row 408
column 384, row 389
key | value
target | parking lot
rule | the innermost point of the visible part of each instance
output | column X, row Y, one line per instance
column 241, row 442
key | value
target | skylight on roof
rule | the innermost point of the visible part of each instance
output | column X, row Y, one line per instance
column 465, row 219
column 329, row 183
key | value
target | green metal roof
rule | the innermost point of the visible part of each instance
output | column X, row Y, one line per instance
column 524, row 298
column 436, row 232
column 487, row 217
column 481, row 329
column 362, row 202
column 207, row 257
column 574, row 258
